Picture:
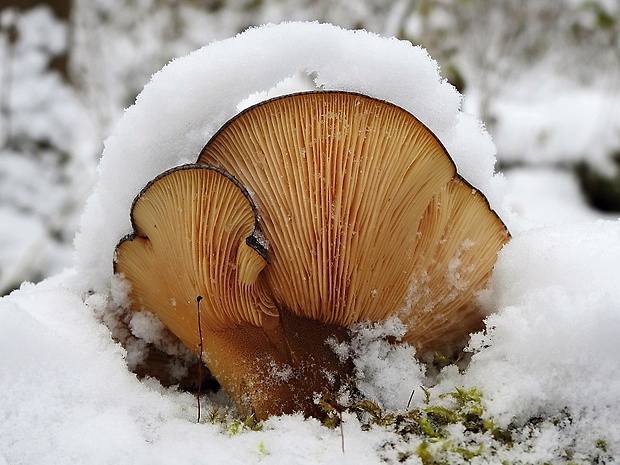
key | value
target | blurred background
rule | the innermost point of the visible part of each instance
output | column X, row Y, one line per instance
column 543, row 75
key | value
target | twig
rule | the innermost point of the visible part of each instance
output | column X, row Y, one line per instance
column 341, row 431
column 410, row 398
column 199, row 392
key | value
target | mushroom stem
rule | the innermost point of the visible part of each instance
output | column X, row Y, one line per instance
column 276, row 371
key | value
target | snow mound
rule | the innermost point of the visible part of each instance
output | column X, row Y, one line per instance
column 555, row 293
column 66, row 396
column 192, row 97
column 552, row 345
column 548, row 361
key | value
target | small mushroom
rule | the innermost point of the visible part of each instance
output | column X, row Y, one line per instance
column 365, row 216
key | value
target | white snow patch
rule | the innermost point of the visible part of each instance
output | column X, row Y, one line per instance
column 552, row 341
column 386, row 373
column 547, row 197
column 544, row 127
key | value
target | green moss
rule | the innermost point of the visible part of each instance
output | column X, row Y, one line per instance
column 452, row 428
column 427, row 395
column 231, row 423
column 377, row 416
column 216, row 415
column 430, row 427
column 261, row 448
column 441, row 361
column 423, row 451
column 248, row 423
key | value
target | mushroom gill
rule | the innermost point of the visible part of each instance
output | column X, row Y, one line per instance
column 179, row 233
column 365, row 214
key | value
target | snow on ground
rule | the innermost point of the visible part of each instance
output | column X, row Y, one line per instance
column 548, row 361
column 559, row 286
column 20, row 239
column 67, row 397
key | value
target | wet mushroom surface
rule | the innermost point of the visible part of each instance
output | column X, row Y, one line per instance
column 356, row 213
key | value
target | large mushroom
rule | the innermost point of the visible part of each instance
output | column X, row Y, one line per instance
column 365, row 217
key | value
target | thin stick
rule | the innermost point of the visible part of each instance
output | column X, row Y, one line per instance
column 198, row 299
column 341, row 431
column 410, row 398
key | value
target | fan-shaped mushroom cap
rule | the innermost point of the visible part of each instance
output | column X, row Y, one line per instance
column 190, row 224
column 364, row 211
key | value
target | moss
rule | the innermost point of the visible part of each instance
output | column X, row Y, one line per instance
column 248, row 423
column 430, row 427
column 441, row 361
column 332, row 408
column 261, row 448
column 216, row 415
column 453, row 428
column 230, row 423
column 425, row 455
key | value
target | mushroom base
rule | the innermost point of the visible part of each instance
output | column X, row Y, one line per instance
column 276, row 371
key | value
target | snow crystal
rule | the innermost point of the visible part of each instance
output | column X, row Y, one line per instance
column 386, row 373
column 146, row 326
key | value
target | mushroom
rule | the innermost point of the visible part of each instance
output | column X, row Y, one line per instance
column 365, row 217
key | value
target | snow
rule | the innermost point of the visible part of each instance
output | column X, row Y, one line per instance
column 544, row 197
column 555, row 293
column 67, row 397
column 552, row 342
column 19, row 237
column 550, row 349
column 384, row 372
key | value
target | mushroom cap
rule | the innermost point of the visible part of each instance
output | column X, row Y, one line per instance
column 364, row 211
column 195, row 235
